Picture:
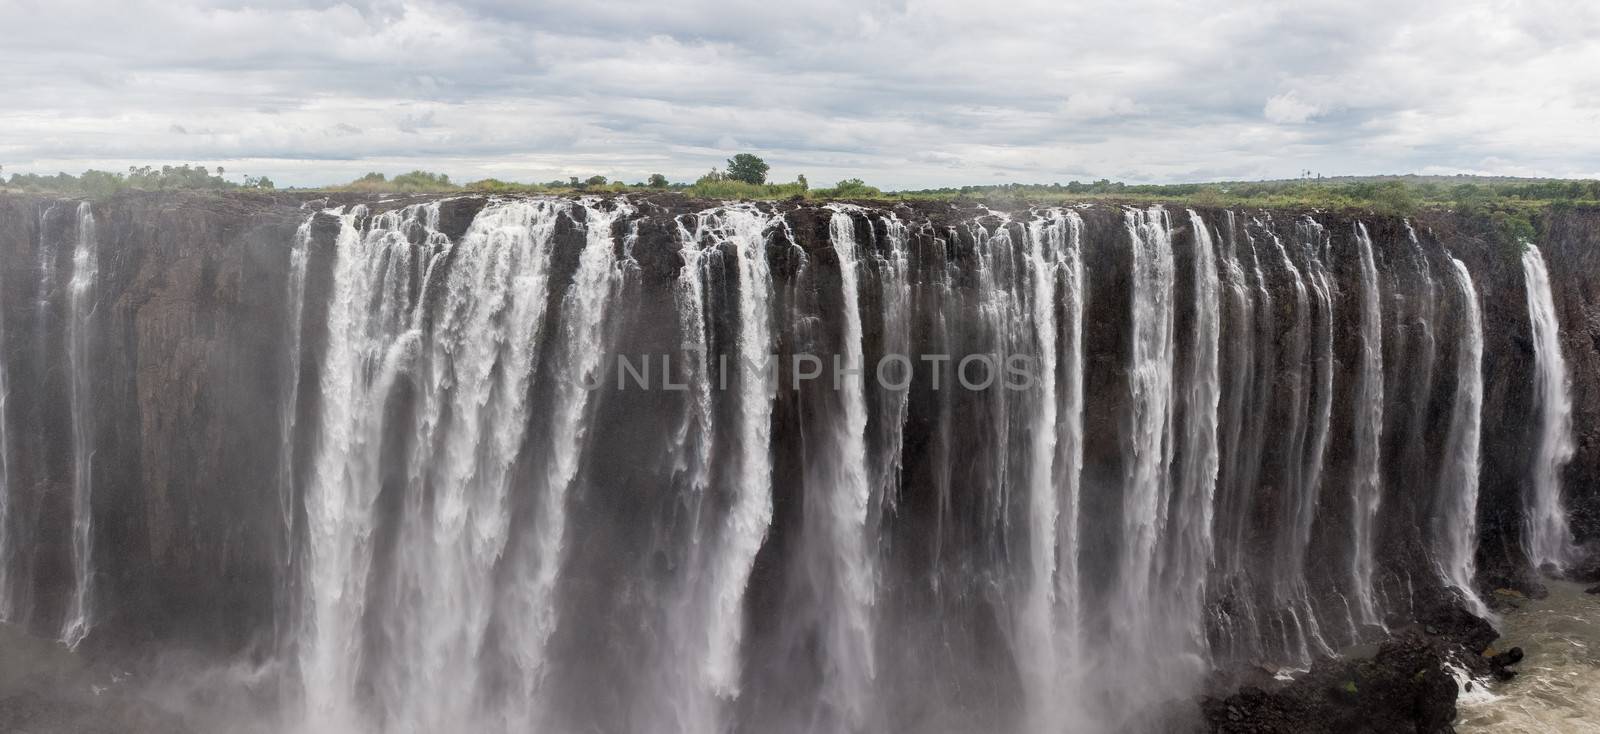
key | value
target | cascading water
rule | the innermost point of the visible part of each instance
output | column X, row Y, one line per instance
column 1069, row 447
column 844, row 476
column 7, row 610
column 1149, row 443
column 1310, row 362
column 288, row 408
column 892, row 266
column 711, row 621
column 1190, row 539
column 999, row 312
column 1141, row 612
column 1456, row 517
column 530, row 602
column 478, row 530
column 465, row 358
column 1050, row 636
column 368, row 319
column 1237, row 460
column 687, row 701
column 82, row 303
column 1546, row 536
column 1315, row 240
column 1367, row 483
column 1294, row 522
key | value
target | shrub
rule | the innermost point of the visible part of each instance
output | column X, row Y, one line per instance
column 850, row 188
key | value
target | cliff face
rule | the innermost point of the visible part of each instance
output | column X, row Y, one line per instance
column 208, row 438
column 182, row 351
column 1572, row 236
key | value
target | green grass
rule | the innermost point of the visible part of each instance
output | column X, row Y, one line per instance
column 1396, row 195
column 1507, row 205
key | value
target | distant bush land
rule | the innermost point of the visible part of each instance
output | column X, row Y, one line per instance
column 138, row 178
column 1503, row 201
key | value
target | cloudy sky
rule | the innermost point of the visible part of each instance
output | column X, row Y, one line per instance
column 902, row 93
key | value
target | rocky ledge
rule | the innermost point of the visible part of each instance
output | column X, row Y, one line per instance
column 1408, row 683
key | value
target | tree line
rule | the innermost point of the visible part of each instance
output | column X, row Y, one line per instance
column 96, row 183
column 745, row 176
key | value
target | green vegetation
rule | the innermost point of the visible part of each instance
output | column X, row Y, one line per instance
column 415, row 182
column 719, row 185
column 1508, row 207
column 747, row 168
column 1398, row 195
column 100, row 184
column 850, row 188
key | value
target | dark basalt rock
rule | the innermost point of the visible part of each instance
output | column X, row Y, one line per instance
column 1500, row 661
column 1403, row 688
column 1587, row 569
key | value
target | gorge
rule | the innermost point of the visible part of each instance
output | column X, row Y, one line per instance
column 381, row 463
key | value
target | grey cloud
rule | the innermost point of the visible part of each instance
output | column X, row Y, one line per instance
column 903, row 94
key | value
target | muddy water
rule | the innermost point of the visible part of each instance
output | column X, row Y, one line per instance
column 1559, row 688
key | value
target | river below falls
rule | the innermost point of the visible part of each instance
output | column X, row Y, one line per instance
column 1558, row 689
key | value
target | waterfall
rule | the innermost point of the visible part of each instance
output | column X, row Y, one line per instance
column 1148, row 447
column 727, row 487
column 999, row 312
column 1456, row 517
column 848, row 644
column 685, row 698
column 744, row 229
column 289, row 399
column 1294, row 520
column 369, row 342
column 579, row 355
column 1049, row 624
column 1315, row 240
column 1366, row 491
column 7, row 553
column 1237, row 392
column 377, row 345
column 1255, row 375
column 463, row 526
column 1138, row 624
column 1547, row 539
column 432, row 357
column 1193, row 513
column 693, row 441
column 1041, row 647
column 82, row 304
column 1069, row 448
column 893, row 266
column 47, row 267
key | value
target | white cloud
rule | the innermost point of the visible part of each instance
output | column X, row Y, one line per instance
column 1289, row 108
column 902, row 93
column 1096, row 105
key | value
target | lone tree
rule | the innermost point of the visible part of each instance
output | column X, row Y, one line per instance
column 747, row 168
column 657, row 181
